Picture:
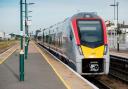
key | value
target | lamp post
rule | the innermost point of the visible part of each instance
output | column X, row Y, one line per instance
column 26, row 28
column 114, row 24
column 116, row 5
column 21, row 56
column 21, row 62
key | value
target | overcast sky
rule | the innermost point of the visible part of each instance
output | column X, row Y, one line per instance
column 49, row 12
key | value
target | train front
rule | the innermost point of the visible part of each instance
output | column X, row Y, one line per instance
column 91, row 39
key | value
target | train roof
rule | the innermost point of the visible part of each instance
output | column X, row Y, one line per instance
column 85, row 15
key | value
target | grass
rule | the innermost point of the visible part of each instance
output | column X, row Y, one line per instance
column 4, row 44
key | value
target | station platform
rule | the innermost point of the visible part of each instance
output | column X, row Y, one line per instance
column 120, row 53
column 39, row 74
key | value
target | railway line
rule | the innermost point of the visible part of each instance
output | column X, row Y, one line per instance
column 97, row 82
column 119, row 67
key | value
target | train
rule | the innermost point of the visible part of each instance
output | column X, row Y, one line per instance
column 81, row 41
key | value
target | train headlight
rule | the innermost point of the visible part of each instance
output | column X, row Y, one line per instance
column 105, row 49
column 80, row 50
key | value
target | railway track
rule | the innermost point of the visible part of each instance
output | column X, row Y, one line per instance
column 119, row 67
column 97, row 82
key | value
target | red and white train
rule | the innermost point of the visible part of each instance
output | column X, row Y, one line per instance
column 82, row 41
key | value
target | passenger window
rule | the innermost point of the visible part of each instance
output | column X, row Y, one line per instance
column 70, row 36
column 71, row 33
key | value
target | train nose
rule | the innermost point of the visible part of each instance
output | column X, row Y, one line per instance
column 97, row 52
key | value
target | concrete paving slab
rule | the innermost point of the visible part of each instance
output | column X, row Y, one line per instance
column 120, row 53
column 38, row 73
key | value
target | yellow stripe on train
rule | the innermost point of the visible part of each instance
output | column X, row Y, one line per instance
column 93, row 52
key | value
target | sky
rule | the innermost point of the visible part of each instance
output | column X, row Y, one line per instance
column 48, row 12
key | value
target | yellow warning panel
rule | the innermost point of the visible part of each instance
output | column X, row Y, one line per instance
column 93, row 52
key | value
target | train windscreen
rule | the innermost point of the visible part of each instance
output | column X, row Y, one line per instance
column 90, row 32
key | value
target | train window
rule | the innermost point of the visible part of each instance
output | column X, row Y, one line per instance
column 54, row 39
column 47, row 38
column 90, row 32
column 50, row 39
column 71, row 33
column 59, row 35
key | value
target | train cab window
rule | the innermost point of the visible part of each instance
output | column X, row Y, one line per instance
column 90, row 32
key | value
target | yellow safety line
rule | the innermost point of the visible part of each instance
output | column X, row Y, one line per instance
column 67, row 86
column 7, row 57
